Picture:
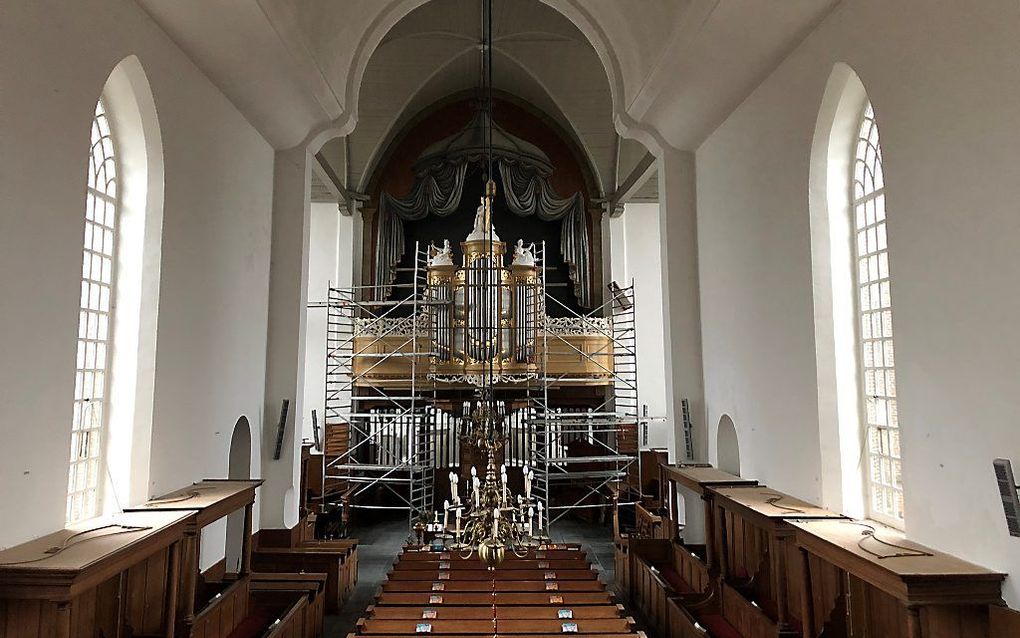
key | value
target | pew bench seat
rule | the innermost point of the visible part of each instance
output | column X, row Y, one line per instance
column 718, row 627
column 676, row 581
column 506, row 613
column 459, row 599
column 307, row 559
column 560, row 634
column 376, row 626
column 499, row 586
column 457, row 565
column 499, row 574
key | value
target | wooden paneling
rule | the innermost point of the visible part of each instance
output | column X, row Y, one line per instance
column 691, row 569
column 749, row 621
column 218, row 618
column 340, row 573
column 681, row 622
column 1003, row 622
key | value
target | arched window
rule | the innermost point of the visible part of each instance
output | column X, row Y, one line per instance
column 95, row 323
column 875, row 326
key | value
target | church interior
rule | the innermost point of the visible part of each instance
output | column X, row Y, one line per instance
column 510, row 318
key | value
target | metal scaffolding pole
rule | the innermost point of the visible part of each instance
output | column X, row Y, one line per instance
column 377, row 437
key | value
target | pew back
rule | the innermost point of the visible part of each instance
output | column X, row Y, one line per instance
column 99, row 577
column 887, row 585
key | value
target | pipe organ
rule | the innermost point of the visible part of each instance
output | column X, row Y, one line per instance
column 483, row 318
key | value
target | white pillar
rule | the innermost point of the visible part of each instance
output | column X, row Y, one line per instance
column 614, row 241
column 323, row 268
column 644, row 267
column 288, row 290
column 681, row 308
column 351, row 247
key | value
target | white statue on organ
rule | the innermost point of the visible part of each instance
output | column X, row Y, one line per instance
column 478, row 232
column 441, row 256
column 524, row 256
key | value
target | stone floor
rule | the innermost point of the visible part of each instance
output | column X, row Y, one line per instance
column 381, row 542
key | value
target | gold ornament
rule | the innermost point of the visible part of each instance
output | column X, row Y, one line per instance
column 491, row 553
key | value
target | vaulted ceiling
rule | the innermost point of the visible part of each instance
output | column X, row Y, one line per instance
column 665, row 72
column 433, row 53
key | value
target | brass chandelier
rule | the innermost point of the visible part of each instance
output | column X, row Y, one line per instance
column 488, row 520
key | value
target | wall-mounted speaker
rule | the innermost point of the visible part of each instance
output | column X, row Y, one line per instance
column 1008, row 493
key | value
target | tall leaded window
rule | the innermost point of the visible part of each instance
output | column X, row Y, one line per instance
column 875, row 329
column 95, row 321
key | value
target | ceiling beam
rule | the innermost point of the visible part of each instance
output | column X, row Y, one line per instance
column 644, row 169
column 332, row 181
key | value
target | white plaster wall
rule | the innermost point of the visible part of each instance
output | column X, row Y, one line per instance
column 322, row 272
column 211, row 343
column 643, row 266
column 945, row 81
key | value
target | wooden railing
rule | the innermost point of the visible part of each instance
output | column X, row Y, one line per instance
column 646, row 523
column 780, row 566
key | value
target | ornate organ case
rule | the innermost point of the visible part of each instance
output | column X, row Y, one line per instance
column 483, row 317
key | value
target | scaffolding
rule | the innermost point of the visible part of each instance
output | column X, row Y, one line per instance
column 378, row 435
column 604, row 435
column 388, row 425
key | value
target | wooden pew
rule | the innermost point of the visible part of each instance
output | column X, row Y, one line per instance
column 558, row 634
column 531, row 597
column 427, row 555
column 310, row 559
column 660, row 570
column 279, row 596
column 694, row 482
column 757, row 555
column 862, row 579
column 348, row 576
column 681, row 570
column 488, row 599
column 376, row 626
column 489, row 586
column 647, row 523
column 462, row 565
column 723, row 614
column 214, row 609
column 499, row 575
column 342, row 580
column 649, row 592
column 111, row 576
column 489, row 612
column 1003, row 622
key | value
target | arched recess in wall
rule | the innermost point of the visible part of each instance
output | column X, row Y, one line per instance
column 832, row 265
column 134, row 120
column 238, row 467
column 728, row 446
